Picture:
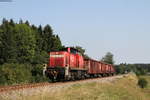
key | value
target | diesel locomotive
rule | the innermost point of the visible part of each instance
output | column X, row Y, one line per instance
column 69, row 64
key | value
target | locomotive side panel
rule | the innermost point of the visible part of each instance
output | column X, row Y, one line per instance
column 79, row 61
column 73, row 61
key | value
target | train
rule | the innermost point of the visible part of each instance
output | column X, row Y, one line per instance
column 69, row 64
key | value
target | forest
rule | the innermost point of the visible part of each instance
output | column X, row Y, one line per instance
column 25, row 47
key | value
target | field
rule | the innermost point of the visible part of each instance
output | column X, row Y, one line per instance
column 124, row 88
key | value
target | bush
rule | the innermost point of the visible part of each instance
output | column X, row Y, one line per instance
column 12, row 74
column 142, row 82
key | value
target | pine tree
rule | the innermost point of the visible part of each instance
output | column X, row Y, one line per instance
column 8, row 43
column 56, row 43
column 47, row 38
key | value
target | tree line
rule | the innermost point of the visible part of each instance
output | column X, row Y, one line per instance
column 23, row 50
column 139, row 69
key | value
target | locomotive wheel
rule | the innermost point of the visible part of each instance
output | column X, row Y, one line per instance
column 72, row 77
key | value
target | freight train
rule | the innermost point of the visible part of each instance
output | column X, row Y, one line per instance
column 69, row 64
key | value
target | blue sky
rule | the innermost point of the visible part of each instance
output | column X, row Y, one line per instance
column 118, row 26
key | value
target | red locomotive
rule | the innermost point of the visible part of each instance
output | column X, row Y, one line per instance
column 69, row 64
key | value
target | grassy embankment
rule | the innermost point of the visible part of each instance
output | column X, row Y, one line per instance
column 121, row 89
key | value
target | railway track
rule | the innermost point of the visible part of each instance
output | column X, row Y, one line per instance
column 22, row 86
column 35, row 85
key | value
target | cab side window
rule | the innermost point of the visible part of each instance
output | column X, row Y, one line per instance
column 73, row 51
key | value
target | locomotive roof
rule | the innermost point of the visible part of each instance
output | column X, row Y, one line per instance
column 70, row 48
